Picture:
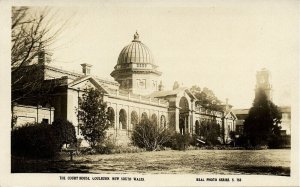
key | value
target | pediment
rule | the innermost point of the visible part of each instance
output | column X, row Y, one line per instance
column 87, row 82
column 231, row 115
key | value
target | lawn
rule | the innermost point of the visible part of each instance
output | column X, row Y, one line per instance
column 259, row 162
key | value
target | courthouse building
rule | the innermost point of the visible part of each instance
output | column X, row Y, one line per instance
column 136, row 92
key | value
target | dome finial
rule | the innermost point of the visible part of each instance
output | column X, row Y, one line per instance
column 136, row 37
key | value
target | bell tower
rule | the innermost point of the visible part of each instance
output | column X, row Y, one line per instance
column 263, row 82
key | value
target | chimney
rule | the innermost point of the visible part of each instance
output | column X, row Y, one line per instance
column 86, row 68
column 41, row 57
column 227, row 107
column 44, row 57
column 176, row 85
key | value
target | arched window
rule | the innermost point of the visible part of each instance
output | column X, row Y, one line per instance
column 134, row 118
column 111, row 116
column 154, row 119
column 197, row 127
column 123, row 119
column 163, row 122
column 184, row 115
column 144, row 116
column 181, row 126
column 184, row 105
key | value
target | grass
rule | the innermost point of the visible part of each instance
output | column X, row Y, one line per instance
column 258, row 162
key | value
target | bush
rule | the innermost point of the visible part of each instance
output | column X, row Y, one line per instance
column 34, row 141
column 107, row 147
column 64, row 131
column 149, row 136
column 195, row 141
column 102, row 149
column 241, row 141
column 281, row 141
column 179, row 141
column 211, row 132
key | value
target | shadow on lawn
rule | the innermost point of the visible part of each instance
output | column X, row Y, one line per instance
column 21, row 165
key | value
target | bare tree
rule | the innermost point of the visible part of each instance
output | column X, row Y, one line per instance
column 32, row 34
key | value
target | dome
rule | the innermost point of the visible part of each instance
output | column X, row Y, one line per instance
column 135, row 52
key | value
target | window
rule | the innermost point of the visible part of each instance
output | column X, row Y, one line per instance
column 134, row 118
column 154, row 83
column 123, row 119
column 123, row 84
column 111, row 116
column 230, row 126
column 286, row 116
column 154, row 119
column 163, row 121
column 144, row 116
column 141, row 83
column 45, row 121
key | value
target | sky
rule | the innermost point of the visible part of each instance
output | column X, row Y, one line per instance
column 215, row 44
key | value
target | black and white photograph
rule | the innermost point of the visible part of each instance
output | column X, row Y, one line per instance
column 153, row 93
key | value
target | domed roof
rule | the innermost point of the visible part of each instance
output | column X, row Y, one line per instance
column 135, row 52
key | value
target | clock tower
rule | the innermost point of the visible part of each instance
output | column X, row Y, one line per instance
column 263, row 82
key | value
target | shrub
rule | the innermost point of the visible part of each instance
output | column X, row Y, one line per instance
column 180, row 141
column 150, row 136
column 107, row 147
column 34, row 141
column 211, row 132
column 102, row 149
column 64, row 131
column 194, row 140
column 281, row 141
column 241, row 141
column 87, row 151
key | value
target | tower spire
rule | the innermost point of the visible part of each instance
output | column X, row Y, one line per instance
column 263, row 78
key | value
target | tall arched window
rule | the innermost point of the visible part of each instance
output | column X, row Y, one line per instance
column 163, row 122
column 154, row 119
column 111, row 116
column 134, row 118
column 184, row 115
column 144, row 116
column 123, row 119
column 197, row 127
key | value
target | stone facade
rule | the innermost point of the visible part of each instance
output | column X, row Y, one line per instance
column 135, row 93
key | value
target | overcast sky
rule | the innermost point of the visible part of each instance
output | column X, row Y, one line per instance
column 210, row 44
